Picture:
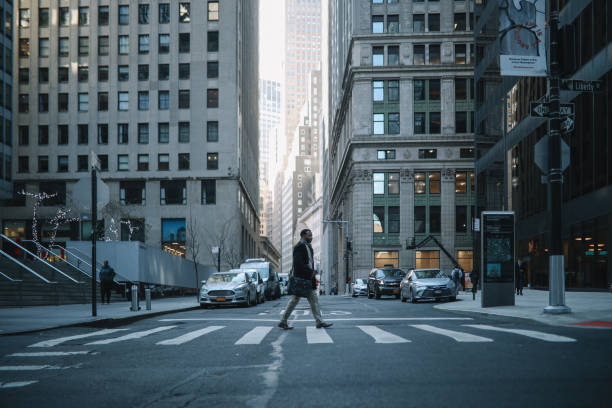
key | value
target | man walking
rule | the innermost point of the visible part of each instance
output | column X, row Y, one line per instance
column 519, row 277
column 107, row 275
column 303, row 267
column 456, row 275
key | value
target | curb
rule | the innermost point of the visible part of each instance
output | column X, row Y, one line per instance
column 493, row 315
column 103, row 323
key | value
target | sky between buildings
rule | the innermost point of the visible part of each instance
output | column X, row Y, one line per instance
column 271, row 39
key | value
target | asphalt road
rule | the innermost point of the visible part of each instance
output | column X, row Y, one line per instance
column 379, row 353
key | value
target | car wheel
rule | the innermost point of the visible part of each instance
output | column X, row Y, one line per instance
column 412, row 297
column 203, row 306
column 402, row 298
column 453, row 298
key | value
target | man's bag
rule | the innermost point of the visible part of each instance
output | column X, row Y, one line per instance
column 299, row 287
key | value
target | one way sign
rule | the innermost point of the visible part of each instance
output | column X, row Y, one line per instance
column 542, row 109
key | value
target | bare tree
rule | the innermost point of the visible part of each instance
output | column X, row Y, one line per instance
column 223, row 235
column 193, row 245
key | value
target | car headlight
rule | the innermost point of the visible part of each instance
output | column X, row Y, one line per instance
column 241, row 288
column 381, row 282
column 203, row 290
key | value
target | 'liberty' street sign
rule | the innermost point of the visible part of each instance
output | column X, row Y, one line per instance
column 580, row 85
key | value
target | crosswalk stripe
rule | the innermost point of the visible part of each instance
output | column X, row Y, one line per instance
column 131, row 336
column 188, row 336
column 458, row 336
column 317, row 336
column 17, row 384
column 55, row 342
column 529, row 333
column 29, row 368
column 381, row 336
column 49, row 354
column 254, row 336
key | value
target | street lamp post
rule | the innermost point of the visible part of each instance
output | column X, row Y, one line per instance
column 95, row 164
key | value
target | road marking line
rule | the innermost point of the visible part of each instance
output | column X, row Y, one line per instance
column 131, row 336
column 55, row 342
column 381, row 336
column 189, row 336
column 49, row 354
column 351, row 319
column 36, row 367
column 458, row 336
column 528, row 333
column 17, row 384
column 255, row 336
column 317, row 336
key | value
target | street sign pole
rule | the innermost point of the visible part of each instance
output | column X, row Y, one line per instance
column 94, row 222
column 555, row 175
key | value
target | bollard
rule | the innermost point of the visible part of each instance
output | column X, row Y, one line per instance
column 134, row 306
column 148, row 297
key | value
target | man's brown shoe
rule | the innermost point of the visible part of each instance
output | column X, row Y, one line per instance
column 324, row 325
column 284, row 326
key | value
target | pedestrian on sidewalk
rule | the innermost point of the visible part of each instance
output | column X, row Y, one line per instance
column 462, row 279
column 474, row 277
column 519, row 276
column 107, row 276
column 303, row 267
column 456, row 277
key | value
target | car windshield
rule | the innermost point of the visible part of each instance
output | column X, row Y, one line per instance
column 394, row 273
column 263, row 268
column 430, row 274
column 360, row 282
column 226, row 277
column 253, row 276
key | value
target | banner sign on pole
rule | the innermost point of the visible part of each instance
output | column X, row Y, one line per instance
column 522, row 37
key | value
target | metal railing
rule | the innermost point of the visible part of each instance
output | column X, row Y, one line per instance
column 36, row 257
column 10, row 258
column 98, row 265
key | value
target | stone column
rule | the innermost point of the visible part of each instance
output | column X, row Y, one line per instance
column 406, row 107
column 447, row 201
column 406, row 257
column 361, row 223
column 447, row 99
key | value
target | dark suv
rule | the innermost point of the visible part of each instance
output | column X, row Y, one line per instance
column 385, row 281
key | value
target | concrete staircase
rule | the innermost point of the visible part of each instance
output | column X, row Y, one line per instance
column 32, row 291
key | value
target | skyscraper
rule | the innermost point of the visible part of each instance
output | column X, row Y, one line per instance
column 6, row 99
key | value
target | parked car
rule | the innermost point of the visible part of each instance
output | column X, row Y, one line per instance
column 284, row 283
column 427, row 284
column 359, row 287
column 384, row 281
column 268, row 274
column 228, row 288
column 259, row 283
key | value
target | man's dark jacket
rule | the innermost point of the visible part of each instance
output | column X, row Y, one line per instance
column 301, row 267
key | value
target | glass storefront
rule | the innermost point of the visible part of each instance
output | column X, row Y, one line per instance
column 386, row 259
column 174, row 236
column 427, row 259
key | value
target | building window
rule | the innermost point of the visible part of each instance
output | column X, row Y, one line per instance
column 83, row 16
column 419, row 219
column 394, row 123
column 43, row 47
column 143, row 44
column 466, row 153
column 460, row 22
column 183, row 161
column 62, row 164
column 378, row 24
column 143, row 100
column 209, row 192
column 43, row 77
column 62, row 74
column 433, row 22
column 393, row 55
column 132, row 192
column 143, row 72
column 379, row 124
column 427, row 259
column 163, row 133
column 83, row 46
column 103, row 158
column 64, row 16
column 124, row 44
column 173, row 192
column 62, row 102
column 103, row 15
column 385, row 154
column 427, row 106
column 163, row 72
column 461, row 125
column 419, row 54
column 163, row 100
column 212, row 161
column 103, row 73
column 386, row 183
column 184, row 42
column 24, row 18
column 378, row 219
column 164, row 13
column 24, row 135
column 428, row 153
column 132, row 229
column 163, row 162
column 24, row 47
column 83, row 73
column 123, row 162
column 82, row 162
column 83, row 134
column 213, row 41
column 143, row 162
column 184, row 70
column 123, row 98
column 24, row 103
column 183, row 132
column 418, row 23
column 213, row 10
column 103, row 134
column 23, row 164
column 83, row 102
column 24, row 76
column 143, row 14
column 62, row 134
column 103, row 45
column 43, row 164
column 212, row 98
column 385, row 106
column 378, row 56
column 184, row 12
column 43, row 135
column 434, row 54
column 378, row 91
column 122, row 133
column 393, row 23
column 63, row 48
column 183, row 99
column 143, row 133
column 212, row 69
column 460, row 54
column 164, row 44
column 43, row 17
column 43, row 103
column 124, row 15
column 460, row 182
column 212, row 131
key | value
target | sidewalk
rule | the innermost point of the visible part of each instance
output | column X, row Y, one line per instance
column 34, row 318
column 589, row 309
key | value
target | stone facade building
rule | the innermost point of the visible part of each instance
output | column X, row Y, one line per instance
column 6, row 99
column 401, row 137
column 165, row 93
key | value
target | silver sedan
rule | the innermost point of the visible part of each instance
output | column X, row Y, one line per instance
column 427, row 284
column 228, row 288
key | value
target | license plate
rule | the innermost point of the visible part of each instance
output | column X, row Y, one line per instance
column 221, row 299
column 437, row 292
column 395, row 291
